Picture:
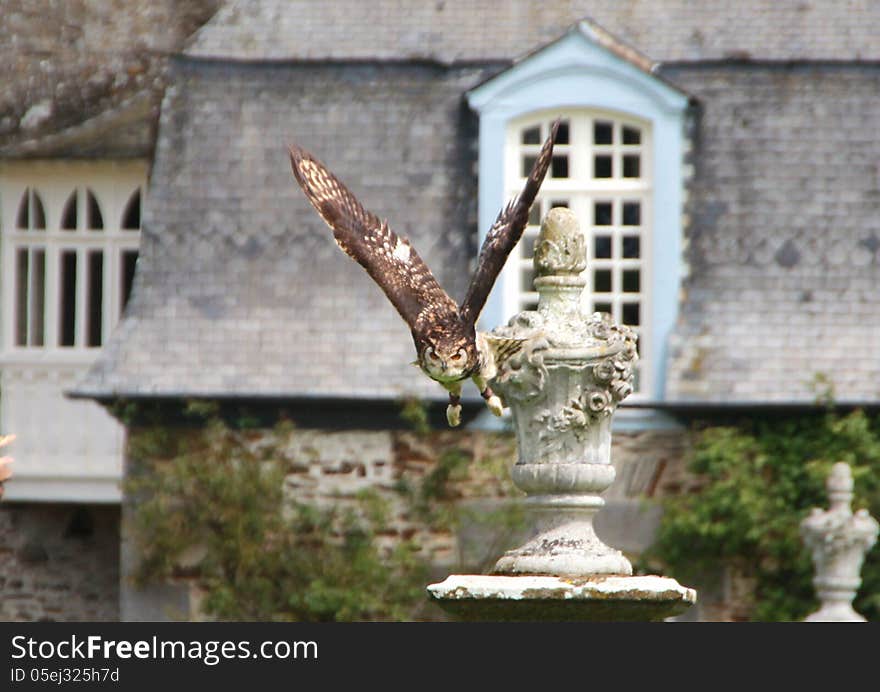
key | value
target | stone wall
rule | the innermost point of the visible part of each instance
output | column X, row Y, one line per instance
column 331, row 468
column 650, row 465
column 338, row 465
column 59, row 562
column 62, row 562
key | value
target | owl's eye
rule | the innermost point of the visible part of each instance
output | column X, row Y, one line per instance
column 430, row 353
column 461, row 354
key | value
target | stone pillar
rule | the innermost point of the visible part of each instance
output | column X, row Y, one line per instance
column 564, row 383
column 838, row 541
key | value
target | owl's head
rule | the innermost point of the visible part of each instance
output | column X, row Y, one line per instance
column 448, row 360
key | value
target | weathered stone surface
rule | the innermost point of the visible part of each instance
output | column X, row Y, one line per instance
column 59, row 563
column 72, row 68
column 563, row 388
column 838, row 539
column 547, row 598
column 461, row 30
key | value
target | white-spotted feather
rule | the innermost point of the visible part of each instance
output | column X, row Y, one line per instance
column 390, row 260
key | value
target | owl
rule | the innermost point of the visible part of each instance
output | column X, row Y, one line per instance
column 448, row 347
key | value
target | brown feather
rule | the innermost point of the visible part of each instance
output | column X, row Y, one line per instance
column 389, row 259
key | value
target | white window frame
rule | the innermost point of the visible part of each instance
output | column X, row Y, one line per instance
column 581, row 190
column 112, row 184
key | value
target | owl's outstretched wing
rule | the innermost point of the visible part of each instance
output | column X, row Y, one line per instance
column 390, row 260
column 505, row 234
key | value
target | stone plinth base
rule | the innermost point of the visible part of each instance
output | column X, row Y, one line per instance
column 558, row 599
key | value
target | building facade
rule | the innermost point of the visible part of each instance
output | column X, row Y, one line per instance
column 722, row 162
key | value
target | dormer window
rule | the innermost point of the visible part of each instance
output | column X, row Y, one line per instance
column 617, row 164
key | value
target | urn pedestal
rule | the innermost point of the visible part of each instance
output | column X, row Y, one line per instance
column 838, row 539
column 562, row 386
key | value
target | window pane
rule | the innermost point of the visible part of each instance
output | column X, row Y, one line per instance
column 39, row 214
column 631, row 314
column 559, row 203
column 631, row 281
column 131, row 217
column 527, row 163
column 602, row 166
column 602, row 281
column 602, row 307
column 23, row 219
column 129, row 262
column 21, row 297
column 530, row 302
column 95, row 297
column 602, row 247
column 559, row 166
column 632, row 213
column 67, row 299
column 530, row 237
column 31, row 215
column 563, row 134
column 70, row 213
column 602, row 214
column 38, row 296
column 535, row 214
column 94, row 216
column 527, row 274
column 532, row 135
column 631, row 166
column 603, row 132
column 631, row 247
column 632, row 135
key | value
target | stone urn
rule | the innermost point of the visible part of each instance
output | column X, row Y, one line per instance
column 562, row 389
column 562, row 386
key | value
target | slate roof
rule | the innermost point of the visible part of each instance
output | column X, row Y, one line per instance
column 480, row 30
column 240, row 289
column 783, row 237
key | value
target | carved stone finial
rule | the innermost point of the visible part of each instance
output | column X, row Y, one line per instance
column 562, row 388
column 838, row 540
column 560, row 248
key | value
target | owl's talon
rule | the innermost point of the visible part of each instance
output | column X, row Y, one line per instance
column 495, row 405
column 453, row 415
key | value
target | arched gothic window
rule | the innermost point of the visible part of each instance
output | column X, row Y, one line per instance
column 70, row 253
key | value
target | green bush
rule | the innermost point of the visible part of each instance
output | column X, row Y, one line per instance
column 756, row 481
column 210, row 505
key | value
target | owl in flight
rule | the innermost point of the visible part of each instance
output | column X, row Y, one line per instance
column 449, row 348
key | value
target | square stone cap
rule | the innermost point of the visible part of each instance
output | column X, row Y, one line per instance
column 547, row 598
